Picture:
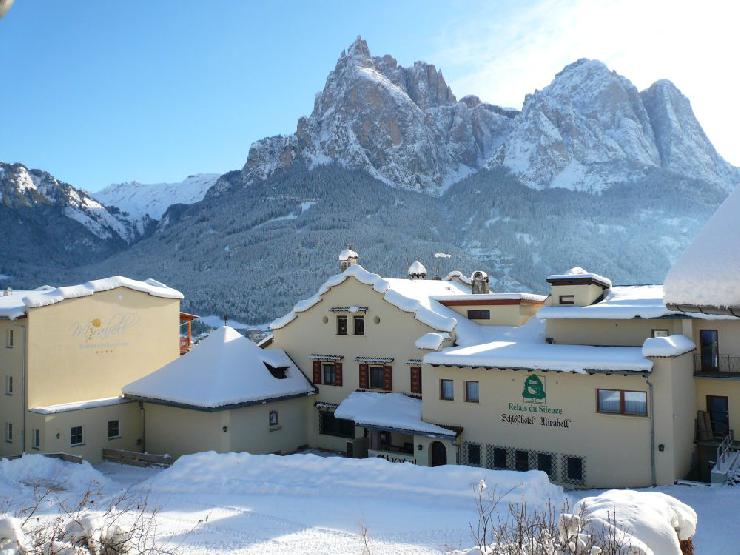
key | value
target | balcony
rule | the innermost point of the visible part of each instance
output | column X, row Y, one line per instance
column 721, row 366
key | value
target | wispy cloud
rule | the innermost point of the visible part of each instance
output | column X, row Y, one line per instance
column 503, row 50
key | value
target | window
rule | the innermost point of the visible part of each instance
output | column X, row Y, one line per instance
column 10, row 339
column 709, row 350
column 521, row 461
column 8, row 385
column 616, row 401
column 359, row 325
column 8, row 432
column 567, row 299
column 544, row 463
column 376, row 377
column 479, row 314
column 341, row 325
column 75, row 435
column 330, row 373
column 574, row 469
column 474, row 454
column 415, row 379
column 659, row 333
column 471, row 392
column 36, row 438
column 329, row 425
column 278, row 372
column 447, row 390
column 273, row 418
column 499, row 457
column 114, row 429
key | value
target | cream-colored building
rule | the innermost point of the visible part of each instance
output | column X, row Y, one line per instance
column 225, row 395
column 66, row 354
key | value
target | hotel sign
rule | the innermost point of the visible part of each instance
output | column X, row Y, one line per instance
column 105, row 334
column 533, row 409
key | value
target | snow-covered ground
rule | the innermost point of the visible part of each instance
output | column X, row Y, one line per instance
column 239, row 503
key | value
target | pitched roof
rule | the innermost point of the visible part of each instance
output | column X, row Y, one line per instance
column 17, row 303
column 223, row 370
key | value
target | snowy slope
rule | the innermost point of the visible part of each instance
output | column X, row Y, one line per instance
column 139, row 199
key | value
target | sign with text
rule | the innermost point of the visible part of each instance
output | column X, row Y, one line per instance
column 534, row 410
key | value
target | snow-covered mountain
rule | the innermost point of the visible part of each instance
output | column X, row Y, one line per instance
column 24, row 188
column 589, row 129
column 140, row 200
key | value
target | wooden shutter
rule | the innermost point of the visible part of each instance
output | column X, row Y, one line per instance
column 364, row 377
column 388, row 378
column 338, row 373
column 317, row 371
column 415, row 379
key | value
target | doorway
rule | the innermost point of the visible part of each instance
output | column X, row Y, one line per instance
column 719, row 414
column 438, row 453
column 709, row 345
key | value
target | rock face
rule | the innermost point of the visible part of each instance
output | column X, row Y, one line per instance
column 402, row 125
column 589, row 129
column 21, row 188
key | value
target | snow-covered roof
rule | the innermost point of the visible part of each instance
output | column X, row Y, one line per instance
column 670, row 346
column 224, row 369
column 80, row 405
column 620, row 303
column 431, row 340
column 543, row 356
column 578, row 273
column 493, row 297
column 708, row 273
column 412, row 296
column 17, row 303
column 417, row 268
column 346, row 254
column 394, row 411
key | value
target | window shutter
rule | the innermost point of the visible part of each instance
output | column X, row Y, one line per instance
column 338, row 373
column 387, row 378
column 415, row 379
column 317, row 371
column 364, row 377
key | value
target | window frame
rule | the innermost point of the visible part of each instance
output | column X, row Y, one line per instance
column 622, row 403
column 36, row 438
column 72, row 434
column 9, row 385
column 335, row 430
column 10, row 339
column 659, row 332
column 8, row 432
column 355, row 320
column 477, row 391
column 118, row 427
column 442, row 382
column 479, row 314
column 326, row 365
column 274, row 421
column 500, row 451
column 566, row 469
column 370, row 369
column 571, row 299
column 342, row 330
column 477, row 446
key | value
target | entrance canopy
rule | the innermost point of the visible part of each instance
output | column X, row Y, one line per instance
column 389, row 411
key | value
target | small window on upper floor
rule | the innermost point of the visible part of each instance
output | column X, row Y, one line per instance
column 10, row 339
column 567, row 299
column 9, row 432
column 475, row 314
column 273, row 418
column 446, row 390
column 9, row 386
column 377, row 377
column 659, row 333
column 359, row 325
column 342, row 325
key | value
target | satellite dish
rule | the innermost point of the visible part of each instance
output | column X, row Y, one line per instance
column 5, row 6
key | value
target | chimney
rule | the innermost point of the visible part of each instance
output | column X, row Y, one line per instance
column 8, row 292
column 480, row 283
column 348, row 258
column 417, row 270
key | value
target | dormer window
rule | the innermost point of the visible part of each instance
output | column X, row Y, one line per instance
column 342, row 324
column 567, row 299
column 278, row 372
column 479, row 314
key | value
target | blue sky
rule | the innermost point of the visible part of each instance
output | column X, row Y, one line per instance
column 99, row 91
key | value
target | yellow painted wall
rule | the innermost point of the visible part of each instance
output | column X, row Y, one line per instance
column 12, row 406
column 616, row 448
column 618, row 333
column 393, row 337
column 584, row 295
column 250, row 428
column 175, row 431
column 723, row 387
column 56, row 429
column 90, row 347
column 501, row 315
